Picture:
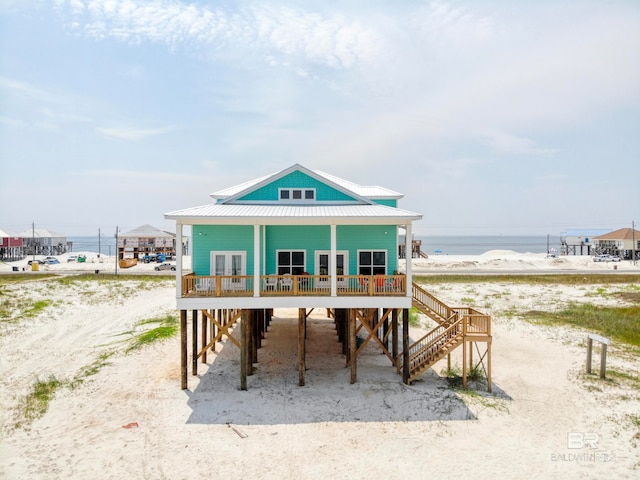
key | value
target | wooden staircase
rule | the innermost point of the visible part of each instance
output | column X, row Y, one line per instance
column 456, row 326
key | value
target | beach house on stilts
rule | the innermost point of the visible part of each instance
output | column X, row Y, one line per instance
column 305, row 239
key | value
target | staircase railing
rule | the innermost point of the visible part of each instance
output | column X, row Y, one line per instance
column 433, row 307
column 421, row 350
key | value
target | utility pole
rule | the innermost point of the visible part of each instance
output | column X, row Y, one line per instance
column 99, row 246
column 117, row 254
column 633, row 236
column 33, row 239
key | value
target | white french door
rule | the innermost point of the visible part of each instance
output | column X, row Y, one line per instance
column 230, row 264
column 323, row 267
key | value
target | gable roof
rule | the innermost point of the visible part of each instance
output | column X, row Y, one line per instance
column 231, row 210
column 40, row 233
column 8, row 234
column 362, row 193
column 147, row 231
column 620, row 234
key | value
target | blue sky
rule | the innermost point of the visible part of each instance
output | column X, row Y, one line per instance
column 491, row 117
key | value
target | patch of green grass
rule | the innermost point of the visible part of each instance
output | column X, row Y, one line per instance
column 37, row 308
column 91, row 369
column 618, row 323
column 167, row 327
column 454, row 375
column 468, row 301
column 560, row 279
column 414, row 317
column 36, row 403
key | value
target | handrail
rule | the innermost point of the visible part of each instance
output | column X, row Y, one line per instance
column 292, row 285
column 443, row 311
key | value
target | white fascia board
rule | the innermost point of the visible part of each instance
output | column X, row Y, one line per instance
column 295, row 221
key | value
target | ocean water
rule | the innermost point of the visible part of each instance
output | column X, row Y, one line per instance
column 476, row 245
column 106, row 245
column 431, row 244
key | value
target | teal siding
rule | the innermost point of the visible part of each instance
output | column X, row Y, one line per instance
column 368, row 237
column 206, row 238
column 310, row 238
column 296, row 180
column 307, row 238
column 388, row 202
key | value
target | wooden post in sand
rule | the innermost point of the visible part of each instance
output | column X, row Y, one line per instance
column 183, row 349
column 394, row 334
column 244, row 331
column 405, row 346
column 302, row 315
column 203, row 337
column 194, row 342
column 353, row 351
column 604, row 342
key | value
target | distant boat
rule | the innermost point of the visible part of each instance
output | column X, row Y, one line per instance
column 127, row 262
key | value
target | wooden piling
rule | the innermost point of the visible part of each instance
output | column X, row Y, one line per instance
column 183, row 349
column 405, row 345
column 244, row 331
column 203, row 338
column 353, row 352
column 194, row 342
column 302, row 316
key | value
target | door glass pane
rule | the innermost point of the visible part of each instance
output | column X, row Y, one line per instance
column 340, row 264
column 236, row 265
column 220, row 265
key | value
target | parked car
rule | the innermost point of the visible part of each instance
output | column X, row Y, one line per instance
column 165, row 266
column 39, row 262
column 72, row 258
column 52, row 260
column 606, row 258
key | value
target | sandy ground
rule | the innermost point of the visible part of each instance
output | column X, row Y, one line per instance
column 544, row 419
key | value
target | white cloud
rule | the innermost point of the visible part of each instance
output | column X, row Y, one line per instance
column 505, row 143
column 133, row 134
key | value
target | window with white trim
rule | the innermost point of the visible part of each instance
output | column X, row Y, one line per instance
column 372, row 262
column 298, row 194
column 291, row 262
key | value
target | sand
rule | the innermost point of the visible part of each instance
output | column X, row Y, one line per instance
column 545, row 418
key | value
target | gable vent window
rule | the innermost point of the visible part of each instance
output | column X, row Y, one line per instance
column 298, row 194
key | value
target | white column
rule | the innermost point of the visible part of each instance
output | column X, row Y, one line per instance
column 178, row 260
column 408, row 254
column 333, row 267
column 256, row 260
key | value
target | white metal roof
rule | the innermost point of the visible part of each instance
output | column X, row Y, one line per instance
column 294, row 214
column 146, row 231
column 363, row 191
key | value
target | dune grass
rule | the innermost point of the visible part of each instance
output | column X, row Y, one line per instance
column 543, row 279
column 618, row 323
column 36, row 403
column 166, row 328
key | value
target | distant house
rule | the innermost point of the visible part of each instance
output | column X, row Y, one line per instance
column 622, row 243
column 579, row 241
column 41, row 241
column 146, row 240
column 11, row 246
